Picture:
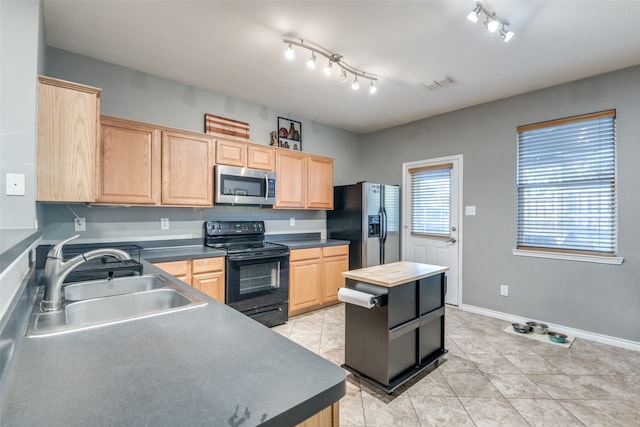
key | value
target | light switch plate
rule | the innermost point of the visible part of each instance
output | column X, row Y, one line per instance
column 470, row 210
column 15, row 184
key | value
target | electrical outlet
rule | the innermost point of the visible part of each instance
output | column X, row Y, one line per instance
column 164, row 223
column 504, row 290
column 292, row 222
column 15, row 184
column 79, row 224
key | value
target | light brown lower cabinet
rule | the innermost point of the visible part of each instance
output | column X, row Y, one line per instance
column 204, row 274
column 315, row 275
column 328, row 417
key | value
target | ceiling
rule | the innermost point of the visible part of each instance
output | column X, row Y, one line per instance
column 236, row 48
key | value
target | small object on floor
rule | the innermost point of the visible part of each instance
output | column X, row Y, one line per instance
column 521, row 328
column 557, row 337
column 538, row 328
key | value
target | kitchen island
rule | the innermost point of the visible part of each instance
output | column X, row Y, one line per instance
column 209, row 365
column 394, row 321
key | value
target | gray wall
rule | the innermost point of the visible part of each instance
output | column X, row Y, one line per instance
column 132, row 94
column 22, row 59
column 599, row 298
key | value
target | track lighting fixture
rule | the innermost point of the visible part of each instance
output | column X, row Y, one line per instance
column 491, row 22
column 333, row 58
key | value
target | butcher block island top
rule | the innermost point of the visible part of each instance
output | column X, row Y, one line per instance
column 395, row 273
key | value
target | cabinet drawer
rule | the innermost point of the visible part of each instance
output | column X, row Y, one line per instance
column 335, row 250
column 203, row 265
column 301, row 254
column 175, row 268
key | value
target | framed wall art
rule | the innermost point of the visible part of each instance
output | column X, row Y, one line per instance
column 289, row 134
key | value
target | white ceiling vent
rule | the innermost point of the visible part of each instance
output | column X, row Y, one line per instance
column 435, row 84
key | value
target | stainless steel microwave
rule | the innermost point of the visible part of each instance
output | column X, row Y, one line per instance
column 243, row 186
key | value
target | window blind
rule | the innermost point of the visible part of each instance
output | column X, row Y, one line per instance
column 431, row 200
column 567, row 185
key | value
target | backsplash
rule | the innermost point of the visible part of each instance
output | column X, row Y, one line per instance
column 107, row 224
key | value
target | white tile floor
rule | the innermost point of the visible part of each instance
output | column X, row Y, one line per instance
column 488, row 378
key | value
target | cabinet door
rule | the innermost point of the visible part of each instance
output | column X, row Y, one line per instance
column 260, row 157
column 67, row 137
column 211, row 284
column 179, row 269
column 335, row 260
column 187, row 169
column 231, row 153
column 305, row 275
column 291, row 181
column 319, row 182
column 209, row 277
column 128, row 163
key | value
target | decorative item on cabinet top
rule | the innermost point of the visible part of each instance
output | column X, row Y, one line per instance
column 289, row 134
column 226, row 128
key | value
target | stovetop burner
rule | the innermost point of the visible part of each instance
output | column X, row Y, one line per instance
column 238, row 237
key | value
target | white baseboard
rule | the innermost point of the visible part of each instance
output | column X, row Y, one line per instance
column 592, row 336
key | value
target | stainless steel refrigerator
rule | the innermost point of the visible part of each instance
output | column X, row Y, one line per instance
column 368, row 215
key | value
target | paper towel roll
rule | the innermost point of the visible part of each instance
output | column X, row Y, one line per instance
column 354, row 297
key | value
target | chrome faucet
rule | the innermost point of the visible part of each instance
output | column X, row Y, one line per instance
column 56, row 270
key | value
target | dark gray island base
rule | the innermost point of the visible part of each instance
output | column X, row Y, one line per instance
column 403, row 333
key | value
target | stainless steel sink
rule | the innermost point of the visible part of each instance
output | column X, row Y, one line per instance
column 117, row 286
column 138, row 304
column 99, row 305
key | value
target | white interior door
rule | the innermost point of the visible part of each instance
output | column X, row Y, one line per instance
column 431, row 223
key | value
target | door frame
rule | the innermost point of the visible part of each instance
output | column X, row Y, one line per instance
column 406, row 199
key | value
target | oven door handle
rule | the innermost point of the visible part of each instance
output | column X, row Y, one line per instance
column 256, row 256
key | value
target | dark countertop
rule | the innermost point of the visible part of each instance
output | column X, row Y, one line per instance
column 180, row 253
column 209, row 365
column 308, row 243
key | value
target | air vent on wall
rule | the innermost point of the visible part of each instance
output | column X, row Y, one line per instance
column 435, row 84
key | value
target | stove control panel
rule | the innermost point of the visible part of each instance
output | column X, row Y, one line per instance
column 213, row 228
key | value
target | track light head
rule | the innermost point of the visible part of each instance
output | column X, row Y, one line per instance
column 311, row 63
column 491, row 24
column 329, row 68
column 475, row 13
column 505, row 34
column 372, row 88
column 343, row 76
column 289, row 52
column 355, row 85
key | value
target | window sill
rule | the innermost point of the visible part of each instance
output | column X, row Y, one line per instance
column 569, row 257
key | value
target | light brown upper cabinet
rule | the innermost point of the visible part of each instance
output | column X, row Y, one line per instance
column 187, row 169
column 291, row 179
column 244, row 155
column 144, row 164
column 304, row 181
column 129, row 163
column 319, row 182
column 68, row 116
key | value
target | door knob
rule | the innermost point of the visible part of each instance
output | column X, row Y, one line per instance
column 452, row 240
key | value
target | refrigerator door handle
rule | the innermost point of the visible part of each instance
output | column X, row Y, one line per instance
column 383, row 225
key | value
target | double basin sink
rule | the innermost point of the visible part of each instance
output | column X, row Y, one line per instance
column 105, row 302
